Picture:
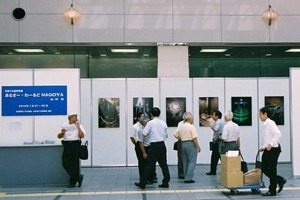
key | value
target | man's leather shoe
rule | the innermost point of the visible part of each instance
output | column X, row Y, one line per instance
column 71, row 186
column 164, row 185
column 210, row 173
column 189, row 181
column 139, row 185
column 80, row 180
column 281, row 185
column 269, row 194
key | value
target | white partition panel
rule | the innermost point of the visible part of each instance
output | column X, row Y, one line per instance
column 47, row 127
column 206, row 87
column 86, row 115
column 108, row 144
column 145, row 88
column 181, row 88
column 246, row 87
column 16, row 129
column 295, row 116
column 277, row 87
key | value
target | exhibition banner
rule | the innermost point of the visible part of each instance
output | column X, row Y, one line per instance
column 34, row 100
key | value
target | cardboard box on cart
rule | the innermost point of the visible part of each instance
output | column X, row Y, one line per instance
column 230, row 163
column 231, row 179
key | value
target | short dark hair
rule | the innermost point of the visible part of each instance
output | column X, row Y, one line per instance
column 218, row 114
column 155, row 112
column 264, row 110
column 139, row 114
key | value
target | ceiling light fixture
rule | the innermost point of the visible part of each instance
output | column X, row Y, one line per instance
column 124, row 50
column 212, row 50
column 293, row 50
column 71, row 15
column 269, row 15
column 29, row 50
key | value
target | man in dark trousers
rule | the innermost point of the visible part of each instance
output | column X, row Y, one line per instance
column 271, row 151
column 156, row 130
column 217, row 129
column 71, row 133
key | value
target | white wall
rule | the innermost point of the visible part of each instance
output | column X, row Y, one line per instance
column 112, row 146
column 277, row 87
column 295, row 116
column 208, row 21
column 109, row 144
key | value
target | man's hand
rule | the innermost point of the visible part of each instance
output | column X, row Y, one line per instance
column 145, row 156
column 269, row 147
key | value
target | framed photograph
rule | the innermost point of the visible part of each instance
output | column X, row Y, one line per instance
column 207, row 105
column 242, row 110
column 108, row 113
column 276, row 106
column 175, row 107
column 142, row 104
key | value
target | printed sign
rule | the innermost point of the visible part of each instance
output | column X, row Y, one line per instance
column 34, row 100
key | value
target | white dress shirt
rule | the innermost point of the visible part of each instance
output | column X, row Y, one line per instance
column 72, row 131
column 156, row 130
column 231, row 132
column 271, row 134
column 135, row 130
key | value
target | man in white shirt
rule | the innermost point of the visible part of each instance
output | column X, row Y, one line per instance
column 271, row 148
column 156, row 130
column 71, row 133
column 134, row 137
column 230, row 134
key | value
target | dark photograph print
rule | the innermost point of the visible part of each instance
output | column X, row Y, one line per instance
column 108, row 112
column 242, row 110
column 142, row 104
column 276, row 106
column 175, row 107
column 207, row 105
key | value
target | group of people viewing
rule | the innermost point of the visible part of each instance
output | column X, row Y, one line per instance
column 148, row 136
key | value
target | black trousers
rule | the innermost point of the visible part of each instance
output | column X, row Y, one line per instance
column 158, row 153
column 214, row 159
column 269, row 167
column 153, row 173
column 141, row 161
column 179, row 157
column 70, row 159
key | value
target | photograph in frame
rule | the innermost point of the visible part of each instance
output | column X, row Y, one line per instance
column 175, row 107
column 207, row 105
column 108, row 113
column 242, row 110
column 142, row 104
column 276, row 107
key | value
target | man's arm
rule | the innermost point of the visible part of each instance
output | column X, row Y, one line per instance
column 61, row 134
column 143, row 150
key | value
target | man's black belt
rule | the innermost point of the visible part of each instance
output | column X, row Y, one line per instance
column 230, row 142
column 71, row 141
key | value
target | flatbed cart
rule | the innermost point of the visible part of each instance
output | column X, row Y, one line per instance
column 255, row 189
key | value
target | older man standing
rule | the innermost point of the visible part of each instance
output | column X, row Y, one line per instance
column 71, row 133
column 187, row 133
column 230, row 134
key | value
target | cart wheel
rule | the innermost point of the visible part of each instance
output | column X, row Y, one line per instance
column 255, row 191
column 234, row 192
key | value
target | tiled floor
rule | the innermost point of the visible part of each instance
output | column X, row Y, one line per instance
column 118, row 183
